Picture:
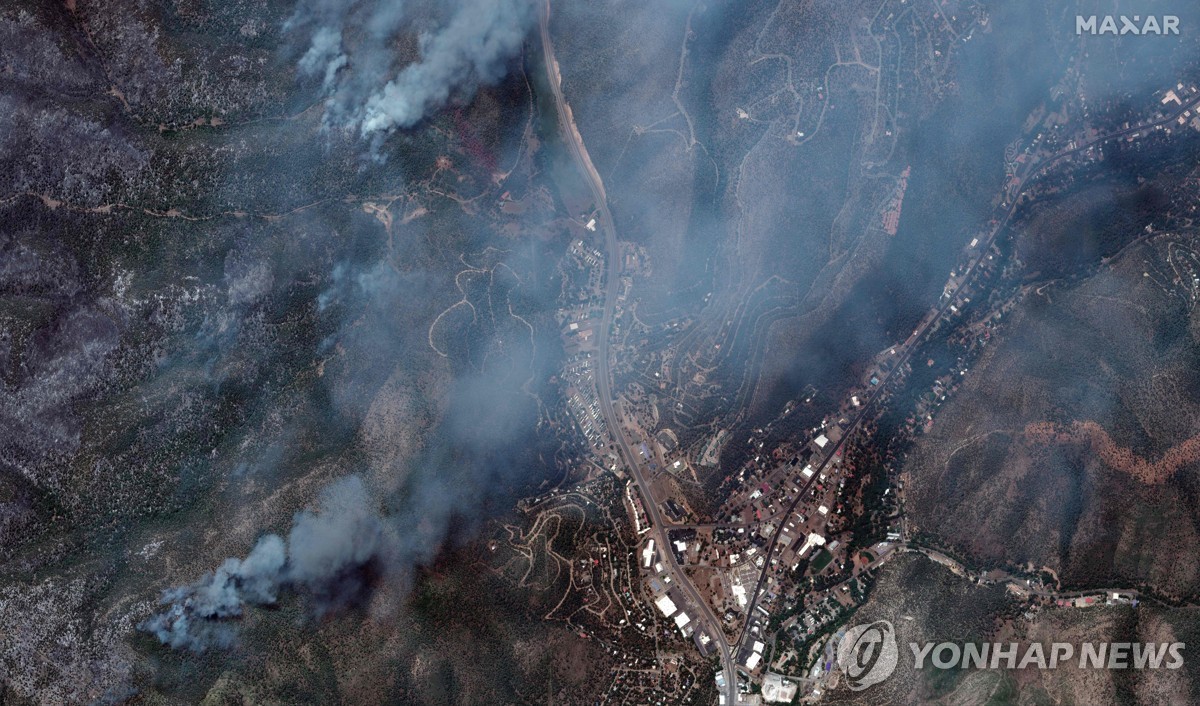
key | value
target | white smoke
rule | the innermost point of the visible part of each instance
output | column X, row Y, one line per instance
column 471, row 50
column 467, row 50
column 321, row 558
column 325, row 56
column 326, row 550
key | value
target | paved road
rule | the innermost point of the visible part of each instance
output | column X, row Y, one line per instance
column 706, row 620
column 909, row 347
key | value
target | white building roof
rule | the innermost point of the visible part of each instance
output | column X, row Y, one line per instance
column 739, row 594
column 812, row 540
column 665, row 604
column 648, row 554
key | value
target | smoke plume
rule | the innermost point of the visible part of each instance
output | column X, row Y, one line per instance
column 467, row 48
column 324, row 56
column 323, row 559
column 469, row 51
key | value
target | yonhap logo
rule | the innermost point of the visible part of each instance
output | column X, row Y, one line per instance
column 867, row 654
column 1127, row 24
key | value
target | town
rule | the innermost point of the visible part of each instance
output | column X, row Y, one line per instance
column 772, row 574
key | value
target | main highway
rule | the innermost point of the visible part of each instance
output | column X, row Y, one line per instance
column 705, row 620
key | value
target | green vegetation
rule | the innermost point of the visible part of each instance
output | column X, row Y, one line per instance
column 821, row 560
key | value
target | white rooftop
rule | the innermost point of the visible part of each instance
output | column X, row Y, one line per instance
column 648, row 554
column 813, row 540
column 739, row 594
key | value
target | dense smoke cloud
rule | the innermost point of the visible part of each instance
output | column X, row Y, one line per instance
column 327, row 551
column 323, row 559
column 467, row 48
column 472, row 49
column 330, row 556
column 481, row 445
column 369, row 59
column 324, row 56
